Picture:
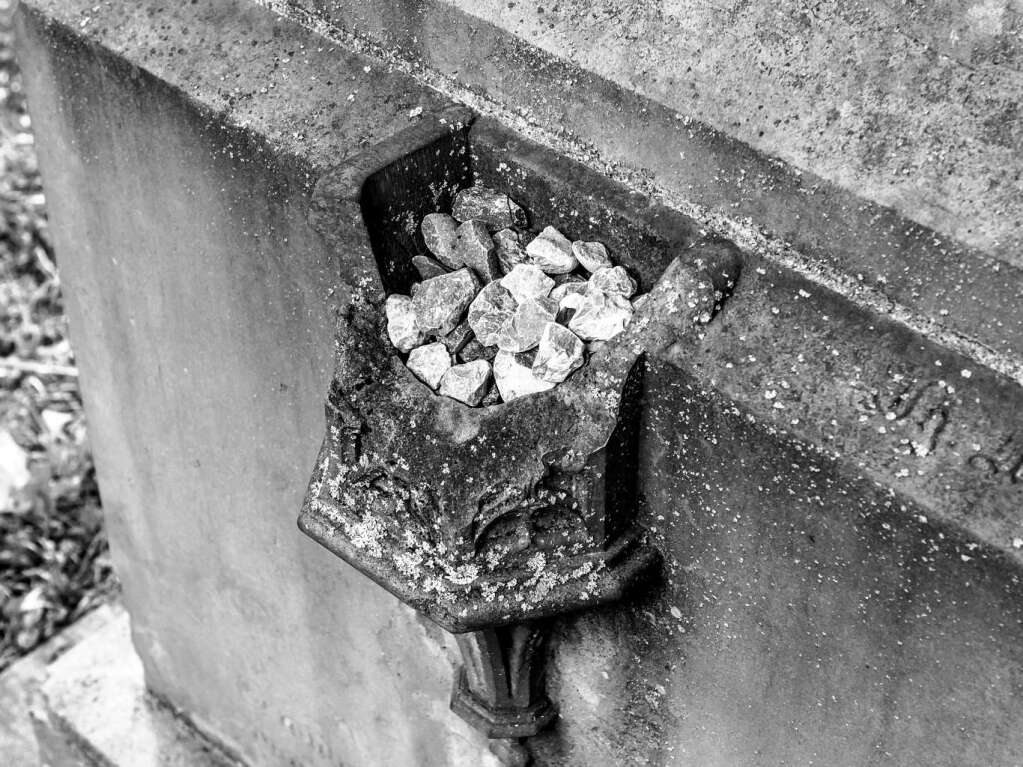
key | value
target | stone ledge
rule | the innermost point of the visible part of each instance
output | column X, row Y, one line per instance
column 868, row 252
column 94, row 709
column 20, row 682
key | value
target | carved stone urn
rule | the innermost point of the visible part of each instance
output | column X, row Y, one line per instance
column 489, row 520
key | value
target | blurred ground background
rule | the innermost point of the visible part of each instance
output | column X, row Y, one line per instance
column 53, row 554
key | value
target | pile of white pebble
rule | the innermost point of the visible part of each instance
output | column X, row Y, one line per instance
column 492, row 306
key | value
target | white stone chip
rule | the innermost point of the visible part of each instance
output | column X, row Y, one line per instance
column 552, row 252
column 429, row 363
column 523, row 331
column 439, row 235
column 440, row 302
column 572, row 301
column 573, row 287
column 401, row 323
column 614, row 280
column 559, row 354
column 489, row 311
column 601, row 316
column 514, row 379
column 592, row 255
column 466, row 382
column 526, row 281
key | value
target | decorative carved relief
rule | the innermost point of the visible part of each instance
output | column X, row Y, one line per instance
column 491, row 519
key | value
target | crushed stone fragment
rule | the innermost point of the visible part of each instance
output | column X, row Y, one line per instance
column 496, row 209
column 456, row 340
column 613, row 280
column 591, row 255
column 559, row 354
column 439, row 233
column 524, row 329
column 514, row 379
column 526, row 281
column 466, row 382
column 474, row 350
column 440, row 302
column 491, row 305
column 509, row 249
column 601, row 316
column 489, row 312
column 429, row 362
column 475, row 249
column 575, row 285
column 552, row 252
column 401, row 323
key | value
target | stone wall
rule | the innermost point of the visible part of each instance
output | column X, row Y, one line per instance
column 841, row 564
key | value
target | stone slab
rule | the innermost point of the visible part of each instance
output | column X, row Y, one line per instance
column 20, row 683
column 93, row 709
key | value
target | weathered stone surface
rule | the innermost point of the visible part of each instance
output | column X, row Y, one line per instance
column 526, row 326
column 402, row 329
column 509, row 249
column 559, row 353
column 474, row 248
column 489, row 312
column 592, row 255
column 514, row 379
column 526, row 281
column 440, row 302
column 601, row 316
column 439, row 234
column 552, row 252
column 474, row 350
column 496, row 209
column 456, row 340
column 429, row 362
column 614, row 280
column 466, row 382
column 428, row 267
column 577, row 285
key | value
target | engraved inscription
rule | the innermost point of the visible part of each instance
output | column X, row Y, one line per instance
column 924, row 407
column 920, row 408
column 1004, row 463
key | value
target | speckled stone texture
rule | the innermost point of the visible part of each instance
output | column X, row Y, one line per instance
column 881, row 140
column 838, row 511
